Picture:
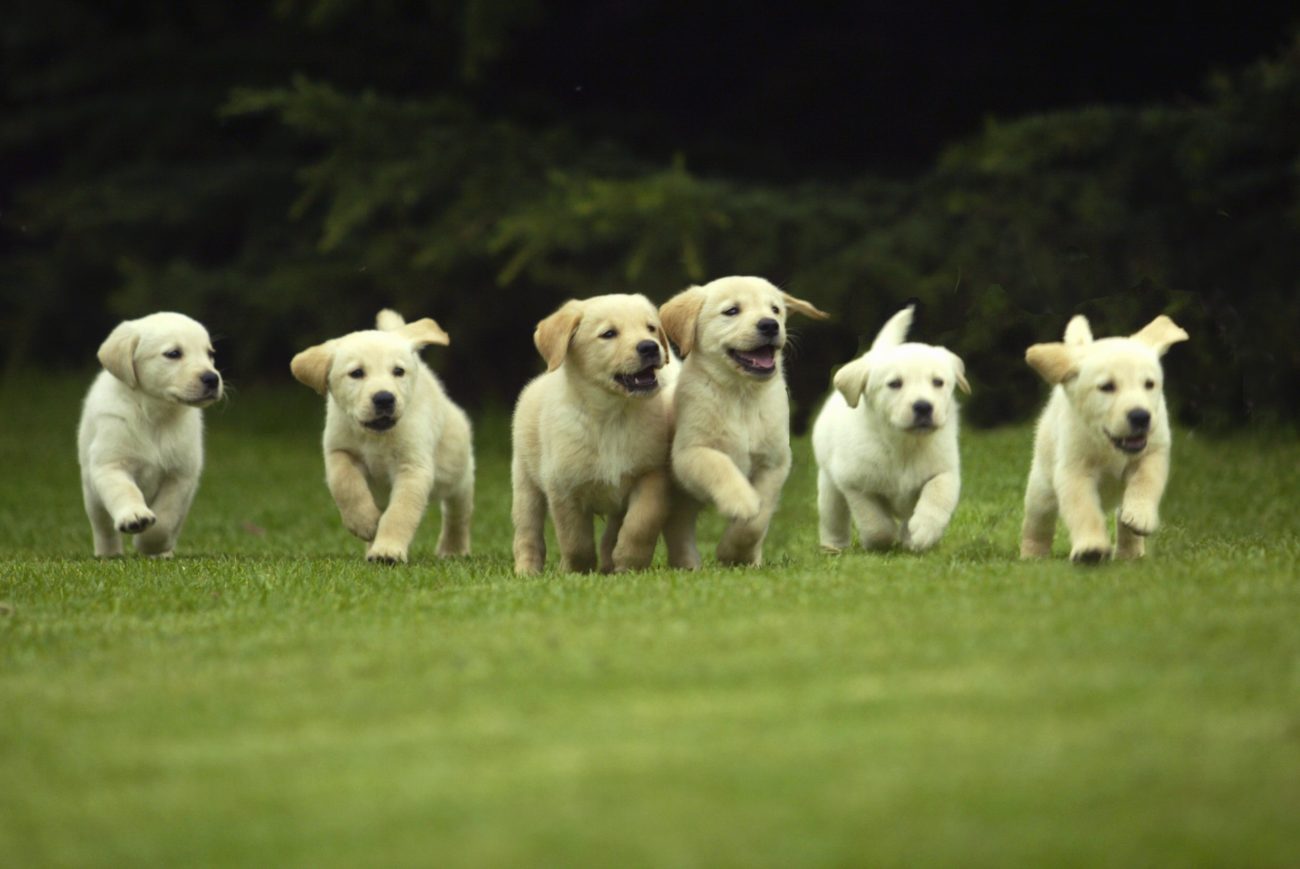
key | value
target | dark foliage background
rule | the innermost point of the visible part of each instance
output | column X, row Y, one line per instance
column 282, row 173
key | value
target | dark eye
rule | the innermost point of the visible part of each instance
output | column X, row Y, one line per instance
column 399, row 371
column 212, row 354
column 609, row 333
column 896, row 383
column 173, row 354
column 1151, row 384
column 1108, row 386
column 732, row 311
column 357, row 373
column 938, row 383
column 776, row 310
column 651, row 327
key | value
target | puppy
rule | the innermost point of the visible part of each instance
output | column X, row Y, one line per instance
column 1103, row 440
column 140, row 440
column 731, row 446
column 591, row 436
column 886, row 444
column 392, row 436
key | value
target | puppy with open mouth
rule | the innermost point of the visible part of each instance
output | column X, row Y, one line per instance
column 731, row 446
column 1103, row 440
column 886, row 444
column 590, row 437
column 392, row 436
column 140, row 439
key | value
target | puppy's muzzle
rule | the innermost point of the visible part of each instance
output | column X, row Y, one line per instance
column 643, row 380
column 1139, row 424
column 922, row 415
column 760, row 360
column 384, row 403
column 210, row 385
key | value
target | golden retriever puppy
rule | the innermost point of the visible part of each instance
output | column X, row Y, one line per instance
column 731, row 445
column 1102, row 441
column 591, row 436
column 140, row 440
column 886, row 444
column 392, row 436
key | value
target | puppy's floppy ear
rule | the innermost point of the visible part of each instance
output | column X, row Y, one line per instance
column 1077, row 331
column 851, row 380
column 423, row 332
column 1055, row 362
column 553, row 334
column 117, row 353
column 808, row 309
column 680, row 314
column 959, row 372
column 1160, row 334
column 312, row 366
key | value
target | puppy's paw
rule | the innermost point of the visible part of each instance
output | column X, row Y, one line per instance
column 363, row 525
column 1090, row 553
column 136, row 521
column 386, row 552
column 1141, row 519
column 921, row 534
column 743, row 503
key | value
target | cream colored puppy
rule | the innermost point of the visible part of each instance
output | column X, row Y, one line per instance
column 1102, row 441
column 731, row 446
column 591, row 435
column 886, row 444
column 392, row 436
column 140, row 441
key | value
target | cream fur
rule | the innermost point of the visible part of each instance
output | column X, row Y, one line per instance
column 731, row 446
column 883, row 467
column 584, row 444
column 140, row 439
column 1089, row 458
column 426, row 450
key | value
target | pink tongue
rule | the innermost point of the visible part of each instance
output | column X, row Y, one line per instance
column 764, row 357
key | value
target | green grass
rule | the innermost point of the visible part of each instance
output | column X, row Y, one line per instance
column 269, row 698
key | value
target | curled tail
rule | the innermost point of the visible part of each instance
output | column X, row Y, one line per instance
column 389, row 320
column 894, row 332
column 1077, row 331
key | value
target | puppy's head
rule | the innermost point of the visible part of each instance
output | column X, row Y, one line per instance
column 615, row 342
column 165, row 355
column 370, row 375
column 735, row 321
column 909, row 385
column 1115, row 385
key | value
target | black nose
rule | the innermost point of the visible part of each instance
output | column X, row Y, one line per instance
column 383, row 400
column 922, row 408
column 1138, row 420
column 768, row 327
column 210, row 379
column 648, row 349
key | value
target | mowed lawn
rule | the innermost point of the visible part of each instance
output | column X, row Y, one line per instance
column 268, row 698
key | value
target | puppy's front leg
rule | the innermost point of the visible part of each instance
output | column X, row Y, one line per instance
column 122, row 499
column 933, row 511
column 402, row 517
column 647, row 510
column 609, row 539
column 574, row 534
column 742, row 542
column 108, row 542
column 711, row 475
column 876, row 526
column 1139, row 511
column 1040, row 515
column 528, row 513
column 1080, row 506
column 347, row 483
column 171, row 505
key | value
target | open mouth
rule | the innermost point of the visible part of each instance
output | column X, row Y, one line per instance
column 380, row 423
column 761, row 361
column 1130, row 443
column 639, row 381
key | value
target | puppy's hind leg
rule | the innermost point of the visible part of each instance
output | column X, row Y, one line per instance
column 457, row 512
column 679, row 531
column 528, row 514
column 608, row 540
column 877, row 528
column 172, row 506
column 573, row 533
column 646, row 512
column 833, row 521
column 742, row 542
column 1040, row 516
column 1129, row 543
